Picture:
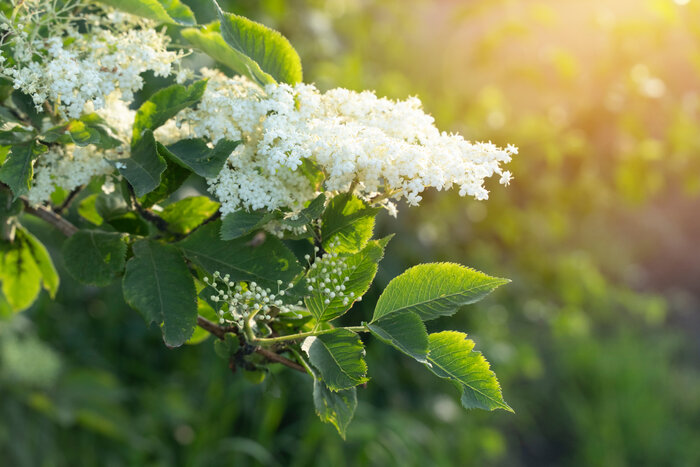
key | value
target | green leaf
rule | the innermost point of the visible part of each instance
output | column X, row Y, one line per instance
column 184, row 215
column 90, row 129
column 6, row 116
column 434, row 290
column 451, row 357
column 87, row 209
column 9, row 207
column 240, row 223
column 94, row 257
column 17, row 171
column 347, row 224
column 266, row 55
column 196, row 155
column 159, row 285
column 360, row 269
column 163, row 11
column 19, row 274
column 16, row 135
column 25, row 104
column 49, row 276
column 145, row 166
column 208, row 39
column 130, row 223
column 339, row 357
column 309, row 213
column 110, row 206
column 165, row 104
column 170, row 180
column 405, row 331
column 265, row 263
column 337, row 408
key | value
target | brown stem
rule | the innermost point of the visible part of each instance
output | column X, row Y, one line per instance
column 221, row 332
column 154, row 219
column 69, row 199
column 47, row 215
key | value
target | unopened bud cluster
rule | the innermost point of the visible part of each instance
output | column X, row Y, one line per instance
column 328, row 276
column 240, row 300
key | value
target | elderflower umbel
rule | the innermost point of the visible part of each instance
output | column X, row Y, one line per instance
column 71, row 166
column 76, row 68
column 388, row 148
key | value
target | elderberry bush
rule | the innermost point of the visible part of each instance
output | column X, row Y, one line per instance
column 278, row 243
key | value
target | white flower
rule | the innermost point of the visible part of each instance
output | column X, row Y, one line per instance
column 390, row 149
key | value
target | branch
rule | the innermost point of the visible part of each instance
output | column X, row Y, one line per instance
column 47, row 215
column 221, row 332
column 67, row 202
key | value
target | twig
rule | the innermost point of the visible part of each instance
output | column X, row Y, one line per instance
column 221, row 332
column 47, row 215
column 158, row 221
column 69, row 199
column 270, row 355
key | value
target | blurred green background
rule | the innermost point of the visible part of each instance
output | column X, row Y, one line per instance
column 596, row 341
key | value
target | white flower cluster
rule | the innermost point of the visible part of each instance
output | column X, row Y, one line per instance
column 384, row 148
column 244, row 299
column 71, row 166
column 327, row 277
column 67, row 167
column 76, row 68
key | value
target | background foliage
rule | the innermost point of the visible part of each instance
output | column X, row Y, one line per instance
column 596, row 340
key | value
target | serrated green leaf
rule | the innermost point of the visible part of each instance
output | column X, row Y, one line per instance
column 165, row 104
column 360, row 269
column 451, row 356
column 159, row 285
column 267, row 56
column 19, row 274
column 434, row 290
column 405, row 331
column 49, row 276
column 240, row 223
column 347, row 224
column 17, row 171
column 164, row 11
column 184, row 215
column 336, row 408
column 339, row 357
column 170, row 180
column 308, row 214
column 145, row 166
column 94, row 257
column 196, row 155
column 265, row 263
